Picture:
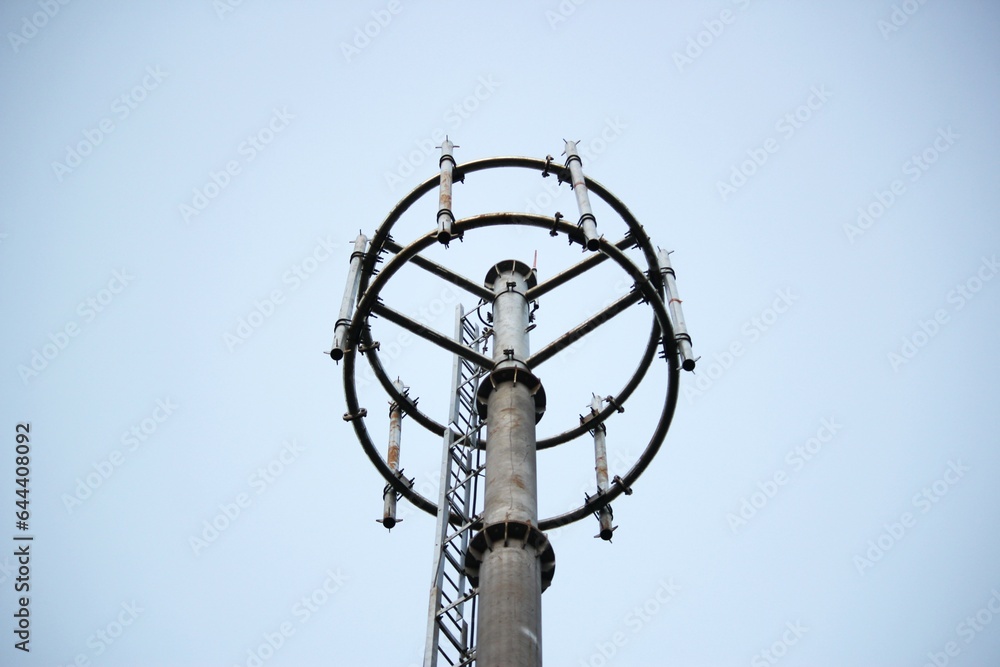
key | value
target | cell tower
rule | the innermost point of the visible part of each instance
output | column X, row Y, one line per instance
column 492, row 559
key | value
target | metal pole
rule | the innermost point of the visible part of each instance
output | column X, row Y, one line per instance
column 444, row 216
column 680, row 328
column 587, row 220
column 601, row 467
column 350, row 294
column 392, row 460
column 510, row 582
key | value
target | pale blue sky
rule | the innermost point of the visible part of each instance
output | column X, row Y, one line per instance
column 296, row 143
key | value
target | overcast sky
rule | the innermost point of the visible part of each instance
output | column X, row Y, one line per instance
column 183, row 182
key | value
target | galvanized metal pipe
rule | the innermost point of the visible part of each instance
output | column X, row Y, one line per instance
column 350, row 295
column 584, row 328
column 510, row 317
column 572, row 272
column 392, row 459
column 510, row 586
column 587, row 220
column 431, row 335
column 677, row 316
column 601, row 468
column 441, row 272
column 445, row 218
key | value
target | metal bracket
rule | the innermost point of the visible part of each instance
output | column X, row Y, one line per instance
column 348, row 417
column 619, row 482
column 557, row 218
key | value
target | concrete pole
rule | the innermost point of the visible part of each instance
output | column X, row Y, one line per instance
column 510, row 586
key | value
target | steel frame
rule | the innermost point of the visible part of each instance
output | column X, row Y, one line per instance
column 649, row 288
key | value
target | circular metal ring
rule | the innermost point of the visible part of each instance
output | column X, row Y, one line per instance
column 649, row 284
column 383, row 235
column 359, row 329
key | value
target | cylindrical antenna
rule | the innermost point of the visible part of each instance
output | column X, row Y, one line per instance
column 587, row 220
column 445, row 218
column 601, row 467
column 392, row 459
column 350, row 294
column 673, row 300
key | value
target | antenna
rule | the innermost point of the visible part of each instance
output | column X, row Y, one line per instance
column 492, row 559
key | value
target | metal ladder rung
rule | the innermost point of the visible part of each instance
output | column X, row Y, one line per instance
column 470, row 474
column 468, row 381
column 454, row 642
column 465, row 598
column 464, row 528
column 455, row 584
column 454, row 561
column 454, row 615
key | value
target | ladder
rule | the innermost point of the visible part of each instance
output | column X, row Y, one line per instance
column 451, row 623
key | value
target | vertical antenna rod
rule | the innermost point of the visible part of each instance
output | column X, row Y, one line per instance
column 680, row 328
column 350, row 294
column 601, row 467
column 392, row 460
column 587, row 220
column 444, row 216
